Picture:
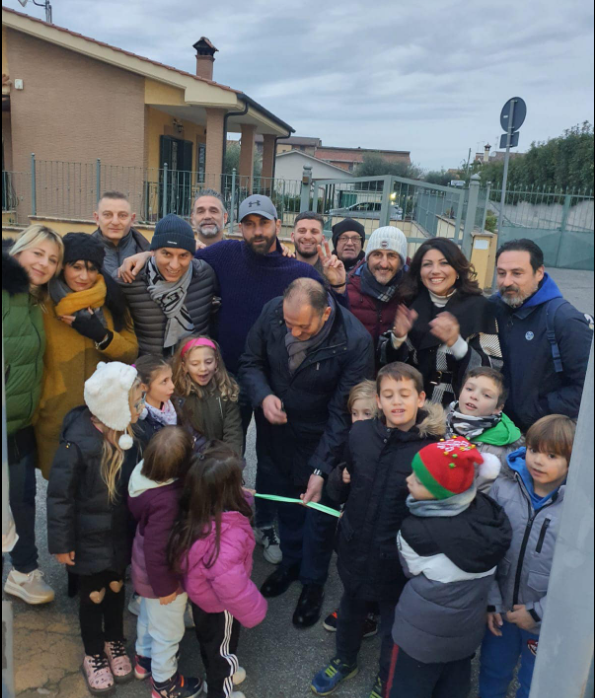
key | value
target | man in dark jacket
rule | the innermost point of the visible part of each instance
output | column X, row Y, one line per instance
column 174, row 295
column 115, row 218
column 545, row 340
column 375, row 286
column 349, row 238
column 303, row 356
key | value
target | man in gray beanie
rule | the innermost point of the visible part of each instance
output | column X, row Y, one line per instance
column 375, row 287
column 174, row 295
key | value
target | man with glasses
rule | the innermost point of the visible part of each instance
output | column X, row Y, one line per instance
column 349, row 238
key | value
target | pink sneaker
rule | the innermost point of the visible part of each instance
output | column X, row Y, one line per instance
column 119, row 661
column 98, row 675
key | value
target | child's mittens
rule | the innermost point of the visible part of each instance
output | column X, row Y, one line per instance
column 490, row 468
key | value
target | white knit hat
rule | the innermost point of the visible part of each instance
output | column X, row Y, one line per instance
column 107, row 397
column 388, row 238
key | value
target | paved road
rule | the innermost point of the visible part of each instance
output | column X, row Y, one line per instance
column 280, row 660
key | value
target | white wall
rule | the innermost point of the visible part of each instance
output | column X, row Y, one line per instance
column 291, row 167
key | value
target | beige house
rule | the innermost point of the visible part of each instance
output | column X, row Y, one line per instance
column 73, row 99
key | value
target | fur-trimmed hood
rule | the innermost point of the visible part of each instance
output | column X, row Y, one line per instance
column 14, row 277
column 434, row 421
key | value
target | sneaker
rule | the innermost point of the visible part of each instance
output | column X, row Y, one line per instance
column 98, row 675
column 134, row 605
column 142, row 667
column 267, row 537
column 31, row 588
column 188, row 617
column 330, row 623
column 332, row 676
column 238, row 678
column 178, row 687
column 377, row 691
column 370, row 626
column 119, row 661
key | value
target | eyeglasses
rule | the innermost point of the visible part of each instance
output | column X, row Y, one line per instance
column 350, row 238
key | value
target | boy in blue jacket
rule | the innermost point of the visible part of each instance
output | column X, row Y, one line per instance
column 532, row 494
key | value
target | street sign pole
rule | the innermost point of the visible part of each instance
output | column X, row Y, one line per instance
column 509, row 132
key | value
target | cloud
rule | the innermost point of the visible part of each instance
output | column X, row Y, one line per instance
column 429, row 77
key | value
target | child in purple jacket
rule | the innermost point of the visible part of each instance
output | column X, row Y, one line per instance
column 212, row 544
column 154, row 496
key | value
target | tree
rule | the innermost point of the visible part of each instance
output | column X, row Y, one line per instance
column 232, row 159
column 439, row 177
column 374, row 165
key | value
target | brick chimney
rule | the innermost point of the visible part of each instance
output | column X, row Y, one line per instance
column 205, row 57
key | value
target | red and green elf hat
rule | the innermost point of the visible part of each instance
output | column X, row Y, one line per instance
column 447, row 468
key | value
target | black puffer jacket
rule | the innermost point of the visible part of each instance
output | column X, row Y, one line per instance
column 80, row 515
column 149, row 320
column 314, row 397
column 379, row 461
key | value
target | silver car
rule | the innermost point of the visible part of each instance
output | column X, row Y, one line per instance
column 367, row 209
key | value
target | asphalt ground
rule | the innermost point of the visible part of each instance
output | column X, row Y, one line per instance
column 279, row 659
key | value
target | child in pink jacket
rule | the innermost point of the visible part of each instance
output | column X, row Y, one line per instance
column 212, row 545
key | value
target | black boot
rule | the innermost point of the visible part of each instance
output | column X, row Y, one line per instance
column 309, row 606
column 280, row 581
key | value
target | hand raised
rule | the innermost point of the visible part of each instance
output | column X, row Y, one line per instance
column 404, row 321
column 446, row 327
column 333, row 267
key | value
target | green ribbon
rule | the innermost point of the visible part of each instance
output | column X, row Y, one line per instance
column 312, row 505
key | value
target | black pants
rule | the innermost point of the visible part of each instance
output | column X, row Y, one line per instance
column 412, row 679
column 350, row 627
column 101, row 610
column 218, row 635
column 22, row 491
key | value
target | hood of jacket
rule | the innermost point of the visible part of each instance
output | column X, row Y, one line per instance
column 139, row 484
column 14, row 278
column 504, row 433
column 475, row 540
column 433, row 420
column 203, row 549
column 547, row 291
column 518, row 464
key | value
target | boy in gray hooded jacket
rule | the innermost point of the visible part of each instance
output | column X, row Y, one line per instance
column 531, row 491
column 450, row 548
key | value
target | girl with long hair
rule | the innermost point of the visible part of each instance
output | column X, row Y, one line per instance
column 156, row 375
column 88, row 519
column 86, row 321
column 207, row 395
column 212, row 546
column 449, row 326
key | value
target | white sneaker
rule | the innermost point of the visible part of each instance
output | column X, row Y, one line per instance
column 239, row 677
column 31, row 587
column 267, row 537
column 134, row 605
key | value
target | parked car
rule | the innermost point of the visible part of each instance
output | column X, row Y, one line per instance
column 367, row 209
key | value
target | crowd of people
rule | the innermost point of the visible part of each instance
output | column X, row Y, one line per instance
column 404, row 420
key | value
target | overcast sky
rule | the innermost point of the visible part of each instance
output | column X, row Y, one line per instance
column 429, row 76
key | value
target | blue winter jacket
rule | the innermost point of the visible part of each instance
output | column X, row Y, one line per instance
column 536, row 389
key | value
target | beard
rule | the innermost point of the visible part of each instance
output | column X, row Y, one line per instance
column 514, row 296
column 258, row 246
column 209, row 230
column 307, row 254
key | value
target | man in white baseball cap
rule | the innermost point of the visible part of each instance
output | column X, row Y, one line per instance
column 375, row 287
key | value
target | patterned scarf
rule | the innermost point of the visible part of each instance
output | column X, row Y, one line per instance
column 469, row 427
column 170, row 297
column 298, row 350
column 167, row 416
column 381, row 292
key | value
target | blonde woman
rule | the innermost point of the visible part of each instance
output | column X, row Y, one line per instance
column 27, row 266
column 88, row 524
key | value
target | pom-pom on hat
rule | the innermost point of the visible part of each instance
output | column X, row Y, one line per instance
column 448, row 468
column 107, row 396
column 388, row 238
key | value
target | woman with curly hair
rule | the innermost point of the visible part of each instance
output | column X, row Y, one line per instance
column 448, row 327
column 207, row 396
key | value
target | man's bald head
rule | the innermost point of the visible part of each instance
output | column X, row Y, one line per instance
column 306, row 308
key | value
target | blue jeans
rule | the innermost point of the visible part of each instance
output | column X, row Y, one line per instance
column 499, row 657
column 23, row 488
column 159, row 631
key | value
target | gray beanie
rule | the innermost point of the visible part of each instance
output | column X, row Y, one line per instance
column 388, row 238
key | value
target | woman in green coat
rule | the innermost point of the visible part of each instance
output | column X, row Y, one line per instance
column 27, row 267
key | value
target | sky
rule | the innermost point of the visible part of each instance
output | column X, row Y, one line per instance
column 429, row 76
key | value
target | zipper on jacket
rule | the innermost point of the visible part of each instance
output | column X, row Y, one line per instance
column 532, row 516
column 544, row 529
